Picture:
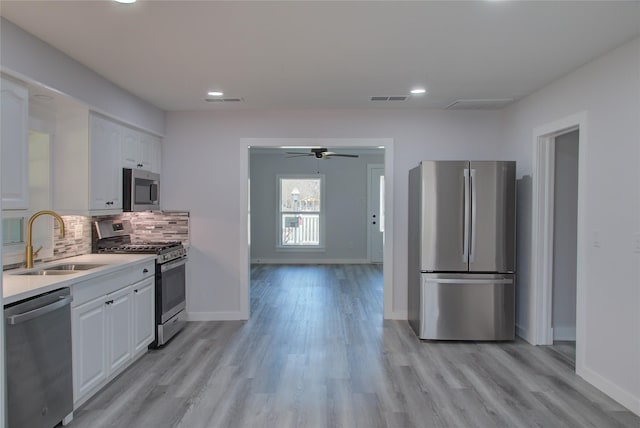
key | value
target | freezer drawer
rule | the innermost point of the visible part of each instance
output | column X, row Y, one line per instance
column 466, row 307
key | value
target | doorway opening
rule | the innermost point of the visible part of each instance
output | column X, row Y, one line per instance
column 565, row 241
column 558, row 231
column 251, row 145
column 375, row 209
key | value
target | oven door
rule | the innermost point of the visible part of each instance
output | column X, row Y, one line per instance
column 171, row 288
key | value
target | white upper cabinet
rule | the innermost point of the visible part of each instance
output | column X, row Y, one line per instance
column 14, row 140
column 104, row 167
column 86, row 165
column 140, row 150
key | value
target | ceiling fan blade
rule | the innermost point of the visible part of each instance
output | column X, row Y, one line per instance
column 343, row 155
column 299, row 155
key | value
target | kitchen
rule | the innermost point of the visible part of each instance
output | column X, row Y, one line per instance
column 118, row 263
column 202, row 142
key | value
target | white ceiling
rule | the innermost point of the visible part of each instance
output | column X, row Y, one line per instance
column 328, row 54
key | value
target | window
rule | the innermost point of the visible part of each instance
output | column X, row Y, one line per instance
column 13, row 231
column 300, row 214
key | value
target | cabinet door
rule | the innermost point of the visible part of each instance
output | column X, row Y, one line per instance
column 104, row 168
column 143, row 314
column 130, row 148
column 150, row 148
column 119, row 332
column 14, row 110
column 89, row 347
column 157, row 163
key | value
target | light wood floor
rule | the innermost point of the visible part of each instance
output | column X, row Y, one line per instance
column 316, row 353
column 566, row 349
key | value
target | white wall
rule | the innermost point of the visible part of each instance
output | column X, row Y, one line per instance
column 608, row 91
column 26, row 57
column 3, row 382
column 345, row 205
column 565, row 236
column 200, row 173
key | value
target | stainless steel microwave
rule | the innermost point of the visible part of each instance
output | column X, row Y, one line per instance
column 140, row 190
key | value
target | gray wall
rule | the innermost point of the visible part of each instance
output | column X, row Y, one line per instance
column 205, row 148
column 345, row 206
column 565, row 237
column 28, row 58
column 605, row 93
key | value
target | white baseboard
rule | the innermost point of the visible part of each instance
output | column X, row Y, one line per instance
column 524, row 334
column 625, row 398
column 397, row 315
column 310, row 261
column 564, row 333
column 217, row 316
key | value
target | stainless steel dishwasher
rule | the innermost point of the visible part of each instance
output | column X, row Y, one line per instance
column 39, row 375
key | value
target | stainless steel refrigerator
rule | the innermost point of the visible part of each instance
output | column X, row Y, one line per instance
column 462, row 250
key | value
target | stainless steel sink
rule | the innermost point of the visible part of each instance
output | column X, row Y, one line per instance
column 63, row 269
column 74, row 266
column 49, row 272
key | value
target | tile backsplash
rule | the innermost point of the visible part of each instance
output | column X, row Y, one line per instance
column 76, row 241
column 80, row 235
column 153, row 226
column 77, row 238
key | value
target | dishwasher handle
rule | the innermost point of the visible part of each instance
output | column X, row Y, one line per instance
column 29, row 315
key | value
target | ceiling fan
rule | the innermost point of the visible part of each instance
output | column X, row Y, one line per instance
column 320, row 153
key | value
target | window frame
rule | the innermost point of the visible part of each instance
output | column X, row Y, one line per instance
column 280, row 246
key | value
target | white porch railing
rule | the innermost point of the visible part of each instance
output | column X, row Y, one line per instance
column 300, row 229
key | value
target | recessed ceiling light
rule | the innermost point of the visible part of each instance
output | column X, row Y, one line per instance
column 125, row 1
column 215, row 93
column 418, row 91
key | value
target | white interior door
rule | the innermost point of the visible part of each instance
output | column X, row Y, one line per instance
column 375, row 198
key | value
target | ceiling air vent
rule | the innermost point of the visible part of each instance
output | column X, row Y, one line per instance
column 223, row 100
column 399, row 98
column 480, row 104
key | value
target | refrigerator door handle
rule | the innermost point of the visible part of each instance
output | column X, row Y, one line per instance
column 468, row 281
column 474, row 217
column 465, row 235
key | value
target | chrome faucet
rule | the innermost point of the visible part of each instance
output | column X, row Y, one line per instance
column 30, row 254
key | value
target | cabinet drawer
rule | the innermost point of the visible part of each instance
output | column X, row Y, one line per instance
column 90, row 289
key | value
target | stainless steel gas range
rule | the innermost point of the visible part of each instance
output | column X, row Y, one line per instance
column 171, row 259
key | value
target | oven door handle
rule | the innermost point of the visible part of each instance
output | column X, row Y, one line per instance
column 173, row 264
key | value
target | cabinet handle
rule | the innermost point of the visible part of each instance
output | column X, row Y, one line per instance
column 135, row 291
column 145, row 270
column 108, row 302
column 140, row 165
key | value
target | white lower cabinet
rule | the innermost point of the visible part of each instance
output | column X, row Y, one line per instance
column 110, row 330
column 119, row 331
column 144, row 313
column 89, row 346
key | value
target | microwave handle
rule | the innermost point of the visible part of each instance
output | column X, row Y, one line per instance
column 153, row 192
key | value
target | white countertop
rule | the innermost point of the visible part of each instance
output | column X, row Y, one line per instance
column 17, row 287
